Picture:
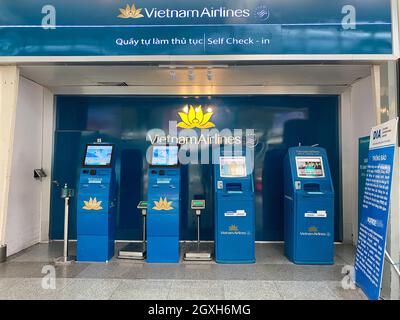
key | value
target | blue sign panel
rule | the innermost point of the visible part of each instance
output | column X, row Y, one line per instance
column 363, row 150
column 207, row 27
column 375, row 211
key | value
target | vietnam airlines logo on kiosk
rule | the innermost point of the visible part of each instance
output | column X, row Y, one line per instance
column 163, row 205
column 130, row 12
column 233, row 228
column 313, row 229
column 195, row 118
column 92, row 204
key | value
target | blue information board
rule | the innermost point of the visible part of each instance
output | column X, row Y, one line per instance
column 206, row 27
column 375, row 209
column 363, row 150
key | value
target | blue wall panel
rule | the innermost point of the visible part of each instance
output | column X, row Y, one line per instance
column 202, row 27
column 280, row 121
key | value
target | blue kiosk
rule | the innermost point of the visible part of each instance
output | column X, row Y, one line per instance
column 309, row 206
column 96, row 206
column 164, row 181
column 234, row 210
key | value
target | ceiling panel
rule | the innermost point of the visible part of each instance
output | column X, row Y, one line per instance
column 299, row 75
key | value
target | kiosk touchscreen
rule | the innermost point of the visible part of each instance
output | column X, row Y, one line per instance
column 234, row 211
column 96, row 204
column 163, row 205
column 309, row 206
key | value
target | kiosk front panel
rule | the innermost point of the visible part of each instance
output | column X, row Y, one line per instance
column 163, row 206
column 96, row 205
column 234, row 211
column 309, row 206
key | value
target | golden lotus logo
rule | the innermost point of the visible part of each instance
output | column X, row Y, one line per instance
column 312, row 229
column 233, row 228
column 92, row 204
column 195, row 118
column 130, row 12
column 163, row 205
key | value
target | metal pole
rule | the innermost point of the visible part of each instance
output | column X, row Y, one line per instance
column 66, row 213
column 144, row 229
column 198, row 233
column 392, row 263
column 65, row 259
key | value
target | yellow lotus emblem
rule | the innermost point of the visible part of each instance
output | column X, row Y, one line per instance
column 130, row 12
column 195, row 118
column 92, row 204
column 233, row 228
column 312, row 229
column 163, row 204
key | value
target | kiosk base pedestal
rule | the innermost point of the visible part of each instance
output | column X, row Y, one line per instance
column 133, row 251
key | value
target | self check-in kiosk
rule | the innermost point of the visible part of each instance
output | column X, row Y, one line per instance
column 163, row 205
column 234, row 210
column 96, row 204
column 309, row 206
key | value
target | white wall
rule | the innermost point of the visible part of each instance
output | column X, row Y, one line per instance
column 24, row 211
column 47, row 162
column 358, row 116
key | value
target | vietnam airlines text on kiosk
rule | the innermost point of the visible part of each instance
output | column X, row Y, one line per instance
column 234, row 211
column 309, row 206
column 163, row 205
column 96, row 204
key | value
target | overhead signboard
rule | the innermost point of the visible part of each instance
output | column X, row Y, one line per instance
column 206, row 27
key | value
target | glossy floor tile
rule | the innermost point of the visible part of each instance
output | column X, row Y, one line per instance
column 142, row 290
column 30, row 274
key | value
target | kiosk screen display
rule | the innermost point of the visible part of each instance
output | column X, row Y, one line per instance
column 98, row 155
column 165, row 156
column 232, row 167
column 310, row 167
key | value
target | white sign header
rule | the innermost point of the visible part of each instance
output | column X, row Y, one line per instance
column 384, row 135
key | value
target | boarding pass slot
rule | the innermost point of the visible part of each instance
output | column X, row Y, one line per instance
column 234, row 188
column 312, row 188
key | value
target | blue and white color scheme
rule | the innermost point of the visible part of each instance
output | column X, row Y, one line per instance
column 375, row 209
column 206, row 27
column 96, row 206
column 163, row 206
column 363, row 150
column 309, row 206
column 234, row 209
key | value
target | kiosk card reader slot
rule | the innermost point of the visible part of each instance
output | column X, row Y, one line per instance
column 96, row 204
column 309, row 206
column 163, row 205
column 234, row 187
column 234, row 210
column 312, row 187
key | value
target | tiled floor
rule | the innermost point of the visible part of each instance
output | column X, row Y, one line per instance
column 272, row 277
